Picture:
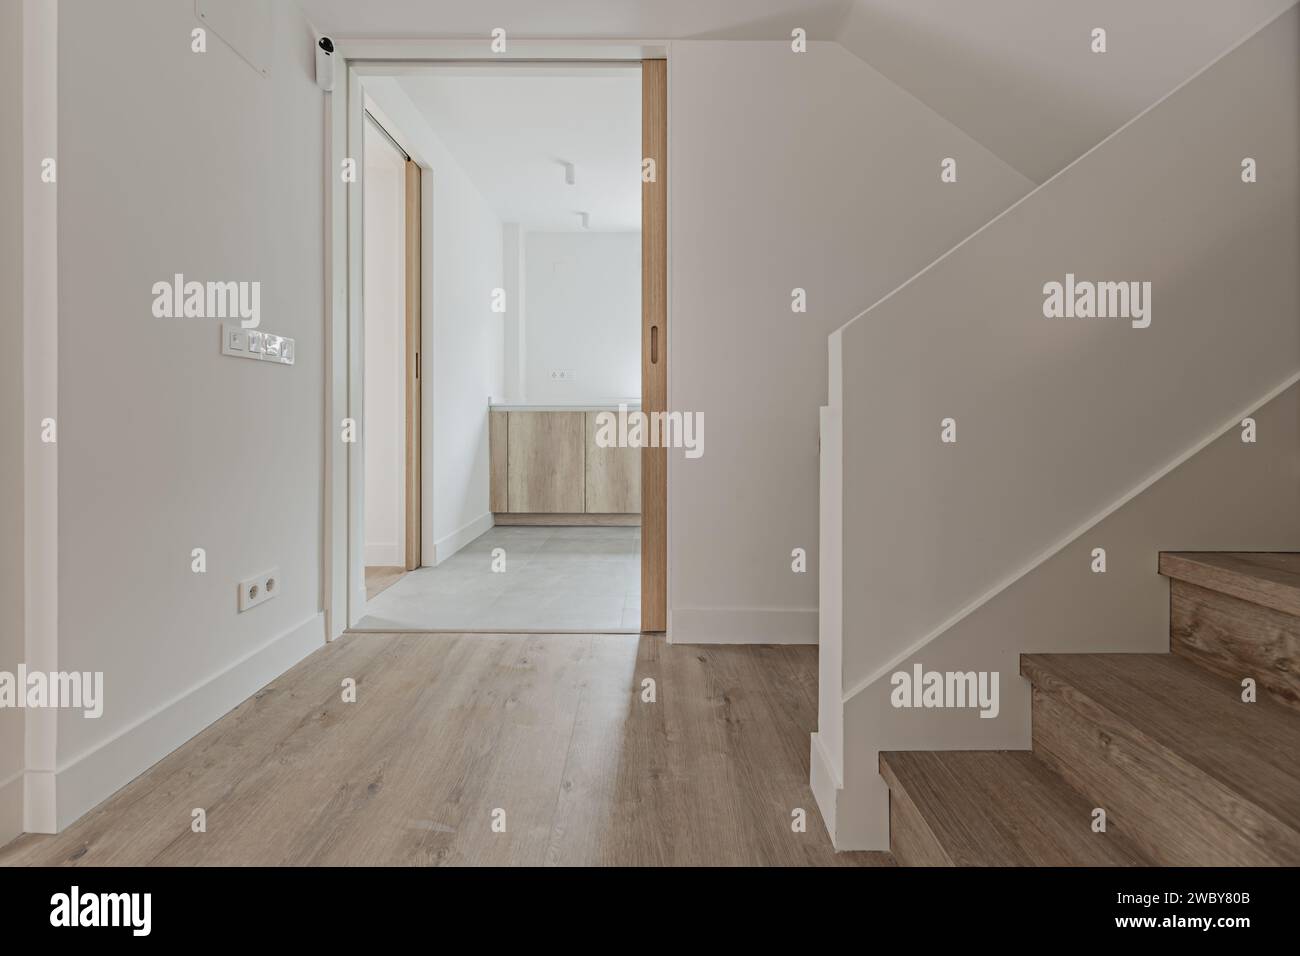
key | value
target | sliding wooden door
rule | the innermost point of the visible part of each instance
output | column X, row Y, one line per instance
column 413, row 369
column 654, row 340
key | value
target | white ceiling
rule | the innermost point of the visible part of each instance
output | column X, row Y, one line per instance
column 512, row 128
column 1018, row 75
column 641, row 19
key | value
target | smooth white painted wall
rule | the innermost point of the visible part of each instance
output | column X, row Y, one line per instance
column 1229, row 497
column 583, row 302
column 513, row 255
column 812, row 171
column 40, row 343
column 1059, row 421
column 463, row 340
column 208, row 169
column 12, row 412
column 1020, row 75
column 384, row 431
column 724, row 19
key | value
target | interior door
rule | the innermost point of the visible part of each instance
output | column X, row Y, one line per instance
column 654, row 342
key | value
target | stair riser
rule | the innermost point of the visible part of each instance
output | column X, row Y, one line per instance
column 1237, row 639
column 910, row 840
column 1175, row 813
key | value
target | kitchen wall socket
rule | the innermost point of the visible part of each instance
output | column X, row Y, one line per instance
column 563, row 375
column 259, row 589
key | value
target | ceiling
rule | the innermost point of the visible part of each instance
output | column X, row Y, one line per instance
column 512, row 128
column 641, row 19
column 1019, row 77
column 1016, row 75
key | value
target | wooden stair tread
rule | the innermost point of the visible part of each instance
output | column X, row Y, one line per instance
column 1002, row 808
column 1253, row 749
column 1262, row 577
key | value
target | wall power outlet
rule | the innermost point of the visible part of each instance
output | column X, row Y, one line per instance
column 259, row 589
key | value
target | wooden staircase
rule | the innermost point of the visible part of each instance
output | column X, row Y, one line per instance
column 1187, row 772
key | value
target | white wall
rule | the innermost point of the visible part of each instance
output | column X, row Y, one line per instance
column 1085, row 409
column 1060, row 421
column 206, row 168
column 1229, row 497
column 384, row 430
column 1020, row 76
column 515, row 321
column 583, row 302
column 463, row 340
column 716, row 19
column 12, row 417
column 786, row 170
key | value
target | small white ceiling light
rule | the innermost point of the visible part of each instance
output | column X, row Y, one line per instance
column 570, row 173
column 586, row 220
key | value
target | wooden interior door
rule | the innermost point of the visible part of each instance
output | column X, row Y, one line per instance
column 413, row 370
column 654, row 342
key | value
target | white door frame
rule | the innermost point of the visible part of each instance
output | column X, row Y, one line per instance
column 343, row 565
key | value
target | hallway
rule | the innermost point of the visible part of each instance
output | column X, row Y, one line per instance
column 447, row 729
column 521, row 579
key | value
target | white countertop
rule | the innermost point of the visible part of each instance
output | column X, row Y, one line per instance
column 613, row 406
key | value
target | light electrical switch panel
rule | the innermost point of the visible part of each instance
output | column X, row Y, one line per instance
column 256, row 345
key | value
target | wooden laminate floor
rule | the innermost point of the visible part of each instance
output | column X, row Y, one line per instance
column 448, row 732
column 380, row 578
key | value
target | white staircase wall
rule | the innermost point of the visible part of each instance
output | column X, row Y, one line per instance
column 13, row 422
column 1060, row 421
column 787, row 170
column 1020, row 77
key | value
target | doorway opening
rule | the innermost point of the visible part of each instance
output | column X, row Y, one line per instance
column 391, row 338
column 540, row 298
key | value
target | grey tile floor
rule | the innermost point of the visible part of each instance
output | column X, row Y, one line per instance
column 556, row 579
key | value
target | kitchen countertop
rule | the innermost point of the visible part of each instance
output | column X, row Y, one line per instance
column 632, row 406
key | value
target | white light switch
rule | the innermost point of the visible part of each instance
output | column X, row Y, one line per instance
column 257, row 345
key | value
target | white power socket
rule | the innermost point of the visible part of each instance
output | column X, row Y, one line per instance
column 259, row 589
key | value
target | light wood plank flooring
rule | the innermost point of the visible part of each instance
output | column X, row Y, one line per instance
column 381, row 578
column 446, row 729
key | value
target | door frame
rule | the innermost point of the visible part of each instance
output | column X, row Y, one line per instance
column 414, row 275
column 343, row 587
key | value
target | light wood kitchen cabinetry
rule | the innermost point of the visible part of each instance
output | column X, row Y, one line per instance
column 613, row 476
column 547, row 463
column 498, row 429
column 544, row 462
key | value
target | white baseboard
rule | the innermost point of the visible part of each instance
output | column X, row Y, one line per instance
column 390, row 555
column 448, row 545
column 824, row 781
column 11, row 807
column 90, row 778
column 40, row 813
column 734, row 625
